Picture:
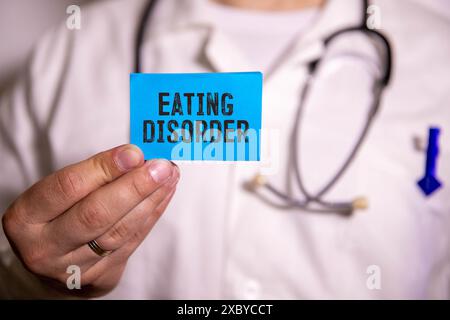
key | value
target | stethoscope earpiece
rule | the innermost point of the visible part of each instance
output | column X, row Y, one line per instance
column 260, row 181
column 360, row 203
column 256, row 182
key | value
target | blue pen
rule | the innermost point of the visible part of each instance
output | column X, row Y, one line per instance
column 429, row 183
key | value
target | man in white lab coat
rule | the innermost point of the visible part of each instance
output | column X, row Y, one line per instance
column 216, row 239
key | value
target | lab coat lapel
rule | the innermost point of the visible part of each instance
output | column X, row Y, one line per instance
column 223, row 55
column 220, row 54
column 335, row 15
column 217, row 52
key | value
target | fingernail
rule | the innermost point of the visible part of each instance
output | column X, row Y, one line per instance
column 129, row 157
column 160, row 170
column 176, row 167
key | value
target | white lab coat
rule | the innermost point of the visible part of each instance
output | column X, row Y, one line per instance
column 217, row 240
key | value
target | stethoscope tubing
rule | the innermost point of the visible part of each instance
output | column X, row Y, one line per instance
column 309, row 200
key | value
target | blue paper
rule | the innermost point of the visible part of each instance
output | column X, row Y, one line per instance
column 197, row 116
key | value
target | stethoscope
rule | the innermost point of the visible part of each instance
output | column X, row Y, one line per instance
column 310, row 202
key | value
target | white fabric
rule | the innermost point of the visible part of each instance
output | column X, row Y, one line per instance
column 261, row 36
column 216, row 240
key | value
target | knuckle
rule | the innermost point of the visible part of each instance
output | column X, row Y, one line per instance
column 157, row 197
column 93, row 214
column 11, row 221
column 34, row 254
column 140, row 186
column 118, row 233
column 136, row 236
column 8, row 221
column 35, row 259
column 151, row 203
column 158, row 211
column 101, row 165
column 69, row 183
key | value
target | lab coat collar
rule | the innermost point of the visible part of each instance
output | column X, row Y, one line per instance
column 220, row 51
column 222, row 54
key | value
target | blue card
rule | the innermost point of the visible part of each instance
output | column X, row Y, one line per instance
column 197, row 116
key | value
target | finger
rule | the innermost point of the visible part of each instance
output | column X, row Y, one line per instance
column 128, row 226
column 99, row 211
column 124, row 229
column 95, row 272
column 59, row 191
column 138, row 238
